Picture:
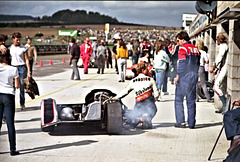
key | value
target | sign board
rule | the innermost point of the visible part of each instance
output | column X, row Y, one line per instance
column 93, row 38
column 107, row 28
column 67, row 33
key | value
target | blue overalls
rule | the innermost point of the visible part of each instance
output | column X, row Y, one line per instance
column 189, row 60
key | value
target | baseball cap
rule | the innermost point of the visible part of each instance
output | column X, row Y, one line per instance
column 87, row 39
column 102, row 41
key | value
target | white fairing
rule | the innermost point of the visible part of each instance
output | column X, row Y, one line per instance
column 55, row 113
column 94, row 111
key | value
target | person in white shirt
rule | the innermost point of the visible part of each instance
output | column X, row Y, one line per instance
column 160, row 64
column 21, row 62
column 8, row 75
column 201, row 73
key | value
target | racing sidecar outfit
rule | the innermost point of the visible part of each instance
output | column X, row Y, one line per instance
column 189, row 61
column 146, row 93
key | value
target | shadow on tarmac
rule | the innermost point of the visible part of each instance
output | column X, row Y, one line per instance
column 29, row 109
column 197, row 126
column 54, row 147
column 207, row 125
column 89, row 130
column 23, row 121
column 24, row 131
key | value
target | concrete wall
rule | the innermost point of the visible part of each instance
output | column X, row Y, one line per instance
column 233, row 80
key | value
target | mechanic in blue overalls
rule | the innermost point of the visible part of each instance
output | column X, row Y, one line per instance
column 186, row 80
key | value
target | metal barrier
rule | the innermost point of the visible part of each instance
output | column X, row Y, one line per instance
column 51, row 49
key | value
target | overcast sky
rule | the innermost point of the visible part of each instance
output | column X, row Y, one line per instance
column 163, row 13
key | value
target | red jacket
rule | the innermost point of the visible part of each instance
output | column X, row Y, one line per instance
column 88, row 50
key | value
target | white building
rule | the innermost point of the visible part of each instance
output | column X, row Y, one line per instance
column 187, row 19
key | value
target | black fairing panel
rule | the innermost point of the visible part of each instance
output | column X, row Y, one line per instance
column 48, row 111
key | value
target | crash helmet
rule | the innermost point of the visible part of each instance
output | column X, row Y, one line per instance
column 67, row 113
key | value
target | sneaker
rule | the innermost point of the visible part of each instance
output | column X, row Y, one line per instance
column 14, row 152
column 180, row 125
column 210, row 101
column 146, row 122
column 191, row 127
column 4, row 119
column 165, row 93
column 23, row 107
column 160, row 99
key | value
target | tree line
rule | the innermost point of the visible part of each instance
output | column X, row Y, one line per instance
column 62, row 17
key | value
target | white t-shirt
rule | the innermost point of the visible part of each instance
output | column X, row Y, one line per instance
column 203, row 58
column 18, row 55
column 7, row 75
column 129, row 47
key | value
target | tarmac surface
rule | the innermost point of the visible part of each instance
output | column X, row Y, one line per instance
column 74, row 143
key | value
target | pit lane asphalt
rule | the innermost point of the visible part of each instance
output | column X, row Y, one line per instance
column 75, row 143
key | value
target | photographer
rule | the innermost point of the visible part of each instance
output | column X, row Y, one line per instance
column 231, row 122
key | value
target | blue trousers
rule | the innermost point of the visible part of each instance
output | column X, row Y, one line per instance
column 160, row 74
column 22, row 71
column 231, row 120
column 186, row 87
column 146, row 106
column 7, row 105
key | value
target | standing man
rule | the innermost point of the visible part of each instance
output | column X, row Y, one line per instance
column 146, row 48
column 220, row 69
column 32, row 52
column 95, row 46
column 21, row 62
column 86, row 52
column 186, row 80
column 74, row 57
column 102, row 53
column 136, row 53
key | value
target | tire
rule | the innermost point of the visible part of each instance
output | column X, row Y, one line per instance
column 114, row 118
column 209, row 88
column 48, row 129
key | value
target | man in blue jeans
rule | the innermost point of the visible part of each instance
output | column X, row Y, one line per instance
column 21, row 62
column 186, row 80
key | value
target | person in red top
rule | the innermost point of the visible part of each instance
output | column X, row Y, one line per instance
column 146, row 48
column 86, row 52
column 186, row 80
